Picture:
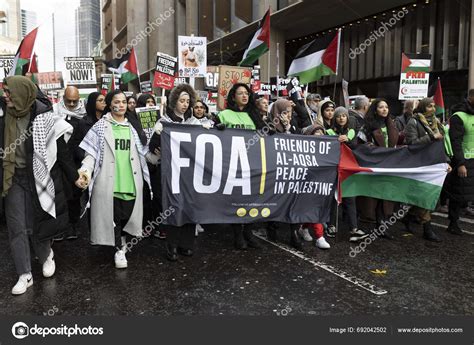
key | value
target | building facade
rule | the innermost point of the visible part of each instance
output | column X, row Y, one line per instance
column 10, row 26
column 28, row 21
column 88, row 29
column 441, row 28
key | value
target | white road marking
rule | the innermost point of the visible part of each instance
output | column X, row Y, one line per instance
column 445, row 227
column 462, row 219
column 331, row 269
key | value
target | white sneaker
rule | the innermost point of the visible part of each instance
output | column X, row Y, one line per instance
column 49, row 266
column 357, row 235
column 322, row 244
column 120, row 259
column 199, row 228
column 304, row 233
column 24, row 282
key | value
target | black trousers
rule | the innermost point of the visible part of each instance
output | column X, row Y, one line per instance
column 122, row 211
column 180, row 236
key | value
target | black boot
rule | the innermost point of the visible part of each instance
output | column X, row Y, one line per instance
column 429, row 234
column 71, row 234
column 239, row 240
column 295, row 240
column 407, row 221
column 272, row 232
column 171, row 252
column 250, row 238
column 454, row 228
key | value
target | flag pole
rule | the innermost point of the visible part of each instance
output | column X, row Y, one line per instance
column 444, row 111
column 278, row 69
column 337, row 63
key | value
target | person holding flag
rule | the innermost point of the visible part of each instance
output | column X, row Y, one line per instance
column 423, row 128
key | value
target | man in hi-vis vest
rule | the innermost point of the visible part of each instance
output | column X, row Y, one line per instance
column 461, row 132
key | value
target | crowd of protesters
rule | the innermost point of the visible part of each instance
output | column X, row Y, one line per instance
column 92, row 160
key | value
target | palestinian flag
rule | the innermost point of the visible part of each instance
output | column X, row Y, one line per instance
column 126, row 66
column 416, row 63
column 438, row 99
column 260, row 42
column 411, row 174
column 32, row 67
column 317, row 59
column 24, row 53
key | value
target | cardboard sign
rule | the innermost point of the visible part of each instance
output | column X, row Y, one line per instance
column 148, row 117
column 145, row 86
column 6, row 64
column 212, row 78
column 255, row 81
column 80, row 71
column 165, row 71
column 106, row 83
column 228, row 76
column 192, row 58
column 414, row 76
column 50, row 80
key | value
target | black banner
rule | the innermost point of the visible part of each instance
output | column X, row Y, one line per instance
column 241, row 176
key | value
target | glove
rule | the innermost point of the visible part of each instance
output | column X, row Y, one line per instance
column 220, row 126
column 158, row 127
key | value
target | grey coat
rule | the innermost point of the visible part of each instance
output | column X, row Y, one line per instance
column 102, row 197
column 416, row 133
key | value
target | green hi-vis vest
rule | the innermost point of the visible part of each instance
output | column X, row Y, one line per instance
column 234, row 119
column 468, row 140
column 447, row 142
column 350, row 135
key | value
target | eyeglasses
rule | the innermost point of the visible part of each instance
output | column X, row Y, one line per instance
column 71, row 101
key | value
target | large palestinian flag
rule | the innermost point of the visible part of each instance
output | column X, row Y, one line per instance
column 260, row 42
column 24, row 53
column 317, row 59
column 126, row 67
column 411, row 174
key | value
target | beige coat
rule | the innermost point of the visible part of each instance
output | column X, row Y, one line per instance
column 102, row 203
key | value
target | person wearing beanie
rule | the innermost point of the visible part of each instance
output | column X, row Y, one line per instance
column 341, row 128
column 326, row 113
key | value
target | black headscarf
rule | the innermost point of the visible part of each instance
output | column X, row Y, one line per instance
column 141, row 101
column 90, row 105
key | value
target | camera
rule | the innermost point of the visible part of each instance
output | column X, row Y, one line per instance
column 21, row 331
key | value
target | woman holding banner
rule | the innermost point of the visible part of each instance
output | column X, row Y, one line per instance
column 115, row 169
column 281, row 115
column 423, row 128
column 179, row 239
column 241, row 113
column 379, row 130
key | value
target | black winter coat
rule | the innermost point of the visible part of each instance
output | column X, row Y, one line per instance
column 46, row 227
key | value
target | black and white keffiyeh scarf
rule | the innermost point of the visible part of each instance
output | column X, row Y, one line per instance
column 94, row 142
column 46, row 130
